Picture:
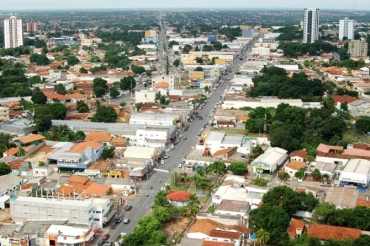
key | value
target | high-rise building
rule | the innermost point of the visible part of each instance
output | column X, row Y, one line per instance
column 357, row 47
column 347, row 29
column 13, row 32
column 31, row 27
column 311, row 25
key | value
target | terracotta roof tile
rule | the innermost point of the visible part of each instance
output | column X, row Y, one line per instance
column 99, row 137
column 179, row 196
column 225, row 234
column 15, row 165
column 65, row 190
column 325, row 232
column 76, row 116
column 28, row 186
column 301, row 153
column 78, row 179
column 205, row 226
column 223, row 151
column 31, row 138
column 11, row 151
column 97, row 190
column 294, row 225
column 80, row 147
column 327, row 148
column 161, row 85
column 296, row 165
column 344, row 98
column 362, row 202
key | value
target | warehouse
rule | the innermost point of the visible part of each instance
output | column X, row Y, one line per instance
column 356, row 173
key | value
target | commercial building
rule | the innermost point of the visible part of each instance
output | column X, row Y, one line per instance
column 356, row 172
column 145, row 96
column 155, row 136
column 68, row 235
column 4, row 114
column 13, row 32
column 311, row 25
column 262, row 51
column 270, row 160
column 219, row 140
column 347, row 29
column 155, row 119
column 31, row 27
column 357, row 47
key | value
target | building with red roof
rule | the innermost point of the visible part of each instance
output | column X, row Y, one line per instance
column 179, row 198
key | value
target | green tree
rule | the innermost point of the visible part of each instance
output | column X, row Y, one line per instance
column 138, row 106
column 217, row 45
column 42, row 118
column 329, row 103
column 324, row 211
column 105, row 114
column 58, row 110
column 61, row 132
column 363, row 124
column 161, row 200
column 198, row 69
column 108, row 152
column 199, row 60
column 4, row 168
column 127, row 83
column 263, row 236
column 38, row 97
column 176, row 63
column 137, row 69
column 316, row 174
column 6, row 142
column 237, row 168
column 82, row 107
column 100, row 87
column 261, row 182
column 113, row 92
column 344, row 106
column 60, row 89
column 79, row 135
column 72, row 60
column 284, row 176
column 34, row 80
column 162, row 214
column 362, row 240
column 122, row 104
column 83, row 70
column 39, row 59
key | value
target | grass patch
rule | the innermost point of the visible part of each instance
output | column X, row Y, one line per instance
column 179, row 187
column 353, row 136
column 239, row 131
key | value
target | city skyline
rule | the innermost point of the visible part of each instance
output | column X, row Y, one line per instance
column 190, row 4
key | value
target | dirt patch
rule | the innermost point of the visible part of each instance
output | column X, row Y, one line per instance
column 40, row 155
column 5, row 215
column 176, row 228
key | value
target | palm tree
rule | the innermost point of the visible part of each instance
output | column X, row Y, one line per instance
column 175, row 178
column 193, row 205
column 6, row 142
column 61, row 131
column 263, row 236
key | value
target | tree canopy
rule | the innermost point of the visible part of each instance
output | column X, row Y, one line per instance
column 274, row 82
column 58, row 110
column 105, row 114
column 100, row 87
column 237, row 168
column 38, row 97
column 4, row 168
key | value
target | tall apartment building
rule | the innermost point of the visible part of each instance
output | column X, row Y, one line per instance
column 347, row 29
column 311, row 25
column 151, row 34
column 31, row 27
column 357, row 47
column 13, row 32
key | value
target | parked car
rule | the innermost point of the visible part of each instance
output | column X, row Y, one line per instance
column 180, row 165
column 119, row 220
column 162, row 162
column 184, row 138
column 166, row 156
column 128, row 207
column 126, row 221
column 105, row 237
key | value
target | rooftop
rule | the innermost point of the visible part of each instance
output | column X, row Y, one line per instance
column 342, row 197
column 296, row 165
column 301, row 153
column 216, row 243
column 30, row 200
column 98, row 137
column 179, row 196
column 233, row 206
column 31, row 138
column 358, row 166
column 325, row 232
column 206, row 226
column 294, row 225
column 328, row 148
column 82, row 146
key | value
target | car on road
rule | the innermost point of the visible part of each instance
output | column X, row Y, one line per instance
column 128, row 207
column 118, row 220
column 105, row 237
column 166, row 156
column 184, row 138
column 126, row 221
column 180, row 165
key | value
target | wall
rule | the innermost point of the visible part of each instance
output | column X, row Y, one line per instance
column 145, row 96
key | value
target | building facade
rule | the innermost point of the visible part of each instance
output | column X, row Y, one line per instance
column 31, row 27
column 13, row 32
column 347, row 29
column 311, row 25
column 357, row 47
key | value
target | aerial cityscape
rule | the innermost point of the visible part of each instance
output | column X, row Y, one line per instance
column 167, row 124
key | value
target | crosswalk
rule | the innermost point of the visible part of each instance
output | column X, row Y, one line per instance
column 144, row 192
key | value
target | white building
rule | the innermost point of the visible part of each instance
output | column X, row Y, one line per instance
column 356, row 172
column 347, row 29
column 259, row 102
column 164, row 81
column 103, row 211
column 270, row 160
column 140, row 152
column 243, row 80
column 13, row 32
column 154, row 136
column 262, row 51
column 358, row 47
column 38, row 209
column 219, row 140
column 311, row 25
column 154, row 119
column 68, row 235
column 9, row 183
column 145, row 96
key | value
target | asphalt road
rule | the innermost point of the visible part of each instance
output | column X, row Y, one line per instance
column 142, row 203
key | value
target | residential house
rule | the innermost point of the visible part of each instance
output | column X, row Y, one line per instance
column 339, row 99
column 158, row 137
column 30, row 140
column 293, row 167
column 18, row 167
column 230, row 155
column 326, row 232
column 81, row 156
column 359, row 108
column 232, row 207
column 296, row 228
column 299, row 155
column 331, row 154
column 100, row 137
column 215, row 231
column 219, row 140
column 270, row 160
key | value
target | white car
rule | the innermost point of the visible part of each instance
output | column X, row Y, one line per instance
column 166, row 156
column 180, row 165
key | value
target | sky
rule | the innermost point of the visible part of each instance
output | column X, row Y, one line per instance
column 211, row 4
